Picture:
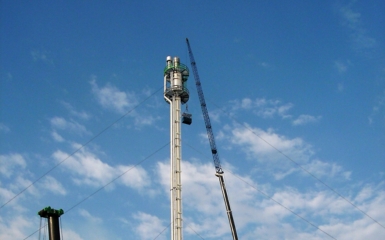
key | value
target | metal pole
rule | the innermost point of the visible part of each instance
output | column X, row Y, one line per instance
column 53, row 227
column 53, row 221
column 175, row 93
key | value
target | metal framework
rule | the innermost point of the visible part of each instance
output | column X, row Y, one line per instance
column 219, row 172
column 175, row 93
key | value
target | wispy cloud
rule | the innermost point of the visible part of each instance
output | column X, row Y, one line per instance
column 110, row 97
column 69, row 234
column 4, row 128
column 88, row 169
column 201, row 194
column 57, row 137
column 266, row 108
column 263, row 215
column 270, row 108
column 304, row 119
column 352, row 20
column 11, row 162
column 38, row 55
column 60, row 123
column 16, row 227
column 378, row 109
column 258, row 145
column 80, row 114
column 340, row 66
column 84, row 213
column 14, row 177
column 325, row 169
column 50, row 183
column 266, row 148
column 148, row 226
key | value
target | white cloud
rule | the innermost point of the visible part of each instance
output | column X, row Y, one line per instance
column 110, row 97
column 74, row 112
column 6, row 194
column 378, row 109
column 304, row 119
column 14, row 178
column 70, row 125
column 353, row 22
column 57, row 137
column 251, row 209
column 4, row 128
column 69, row 234
column 20, row 183
column 265, row 108
column 85, row 214
column 149, row 226
column 136, row 177
column 86, row 168
column 91, row 227
column 268, row 108
column 258, row 144
column 38, row 55
column 11, row 162
column 202, row 197
column 264, row 65
column 15, row 227
column 51, row 184
column 340, row 87
column 145, row 120
column 340, row 66
column 320, row 168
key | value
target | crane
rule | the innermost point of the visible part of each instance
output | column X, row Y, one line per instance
column 218, row 169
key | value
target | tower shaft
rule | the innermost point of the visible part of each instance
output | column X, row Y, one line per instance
column 175, row 169
column 176, row 94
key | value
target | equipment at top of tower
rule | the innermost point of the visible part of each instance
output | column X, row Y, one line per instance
column 176, row 75
column 219, row 172
column 175, row 94
column 53, row 216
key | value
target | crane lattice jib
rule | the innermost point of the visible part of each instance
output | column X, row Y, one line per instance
column 218, row 168
column 206, row 117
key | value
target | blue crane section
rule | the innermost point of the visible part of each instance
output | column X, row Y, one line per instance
column 219, row 172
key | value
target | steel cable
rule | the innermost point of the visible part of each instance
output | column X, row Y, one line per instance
column 80, row 148
column 302, row 168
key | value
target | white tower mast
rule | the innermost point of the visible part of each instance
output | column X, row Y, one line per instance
column 175, row 93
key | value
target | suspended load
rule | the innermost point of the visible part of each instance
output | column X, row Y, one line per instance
column 186, row 118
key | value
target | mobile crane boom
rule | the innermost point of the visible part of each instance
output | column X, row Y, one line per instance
column 219, row 172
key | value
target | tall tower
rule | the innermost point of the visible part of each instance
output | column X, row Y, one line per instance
column 175, row 93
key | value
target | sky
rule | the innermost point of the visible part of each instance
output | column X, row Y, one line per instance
column 295, row 92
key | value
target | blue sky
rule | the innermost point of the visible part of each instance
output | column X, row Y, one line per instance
column 289, row 86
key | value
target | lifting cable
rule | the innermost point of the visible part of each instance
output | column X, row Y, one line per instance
column 301, row 167
column 81, row 147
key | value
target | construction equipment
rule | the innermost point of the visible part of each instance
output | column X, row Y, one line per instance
column 219, row 172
